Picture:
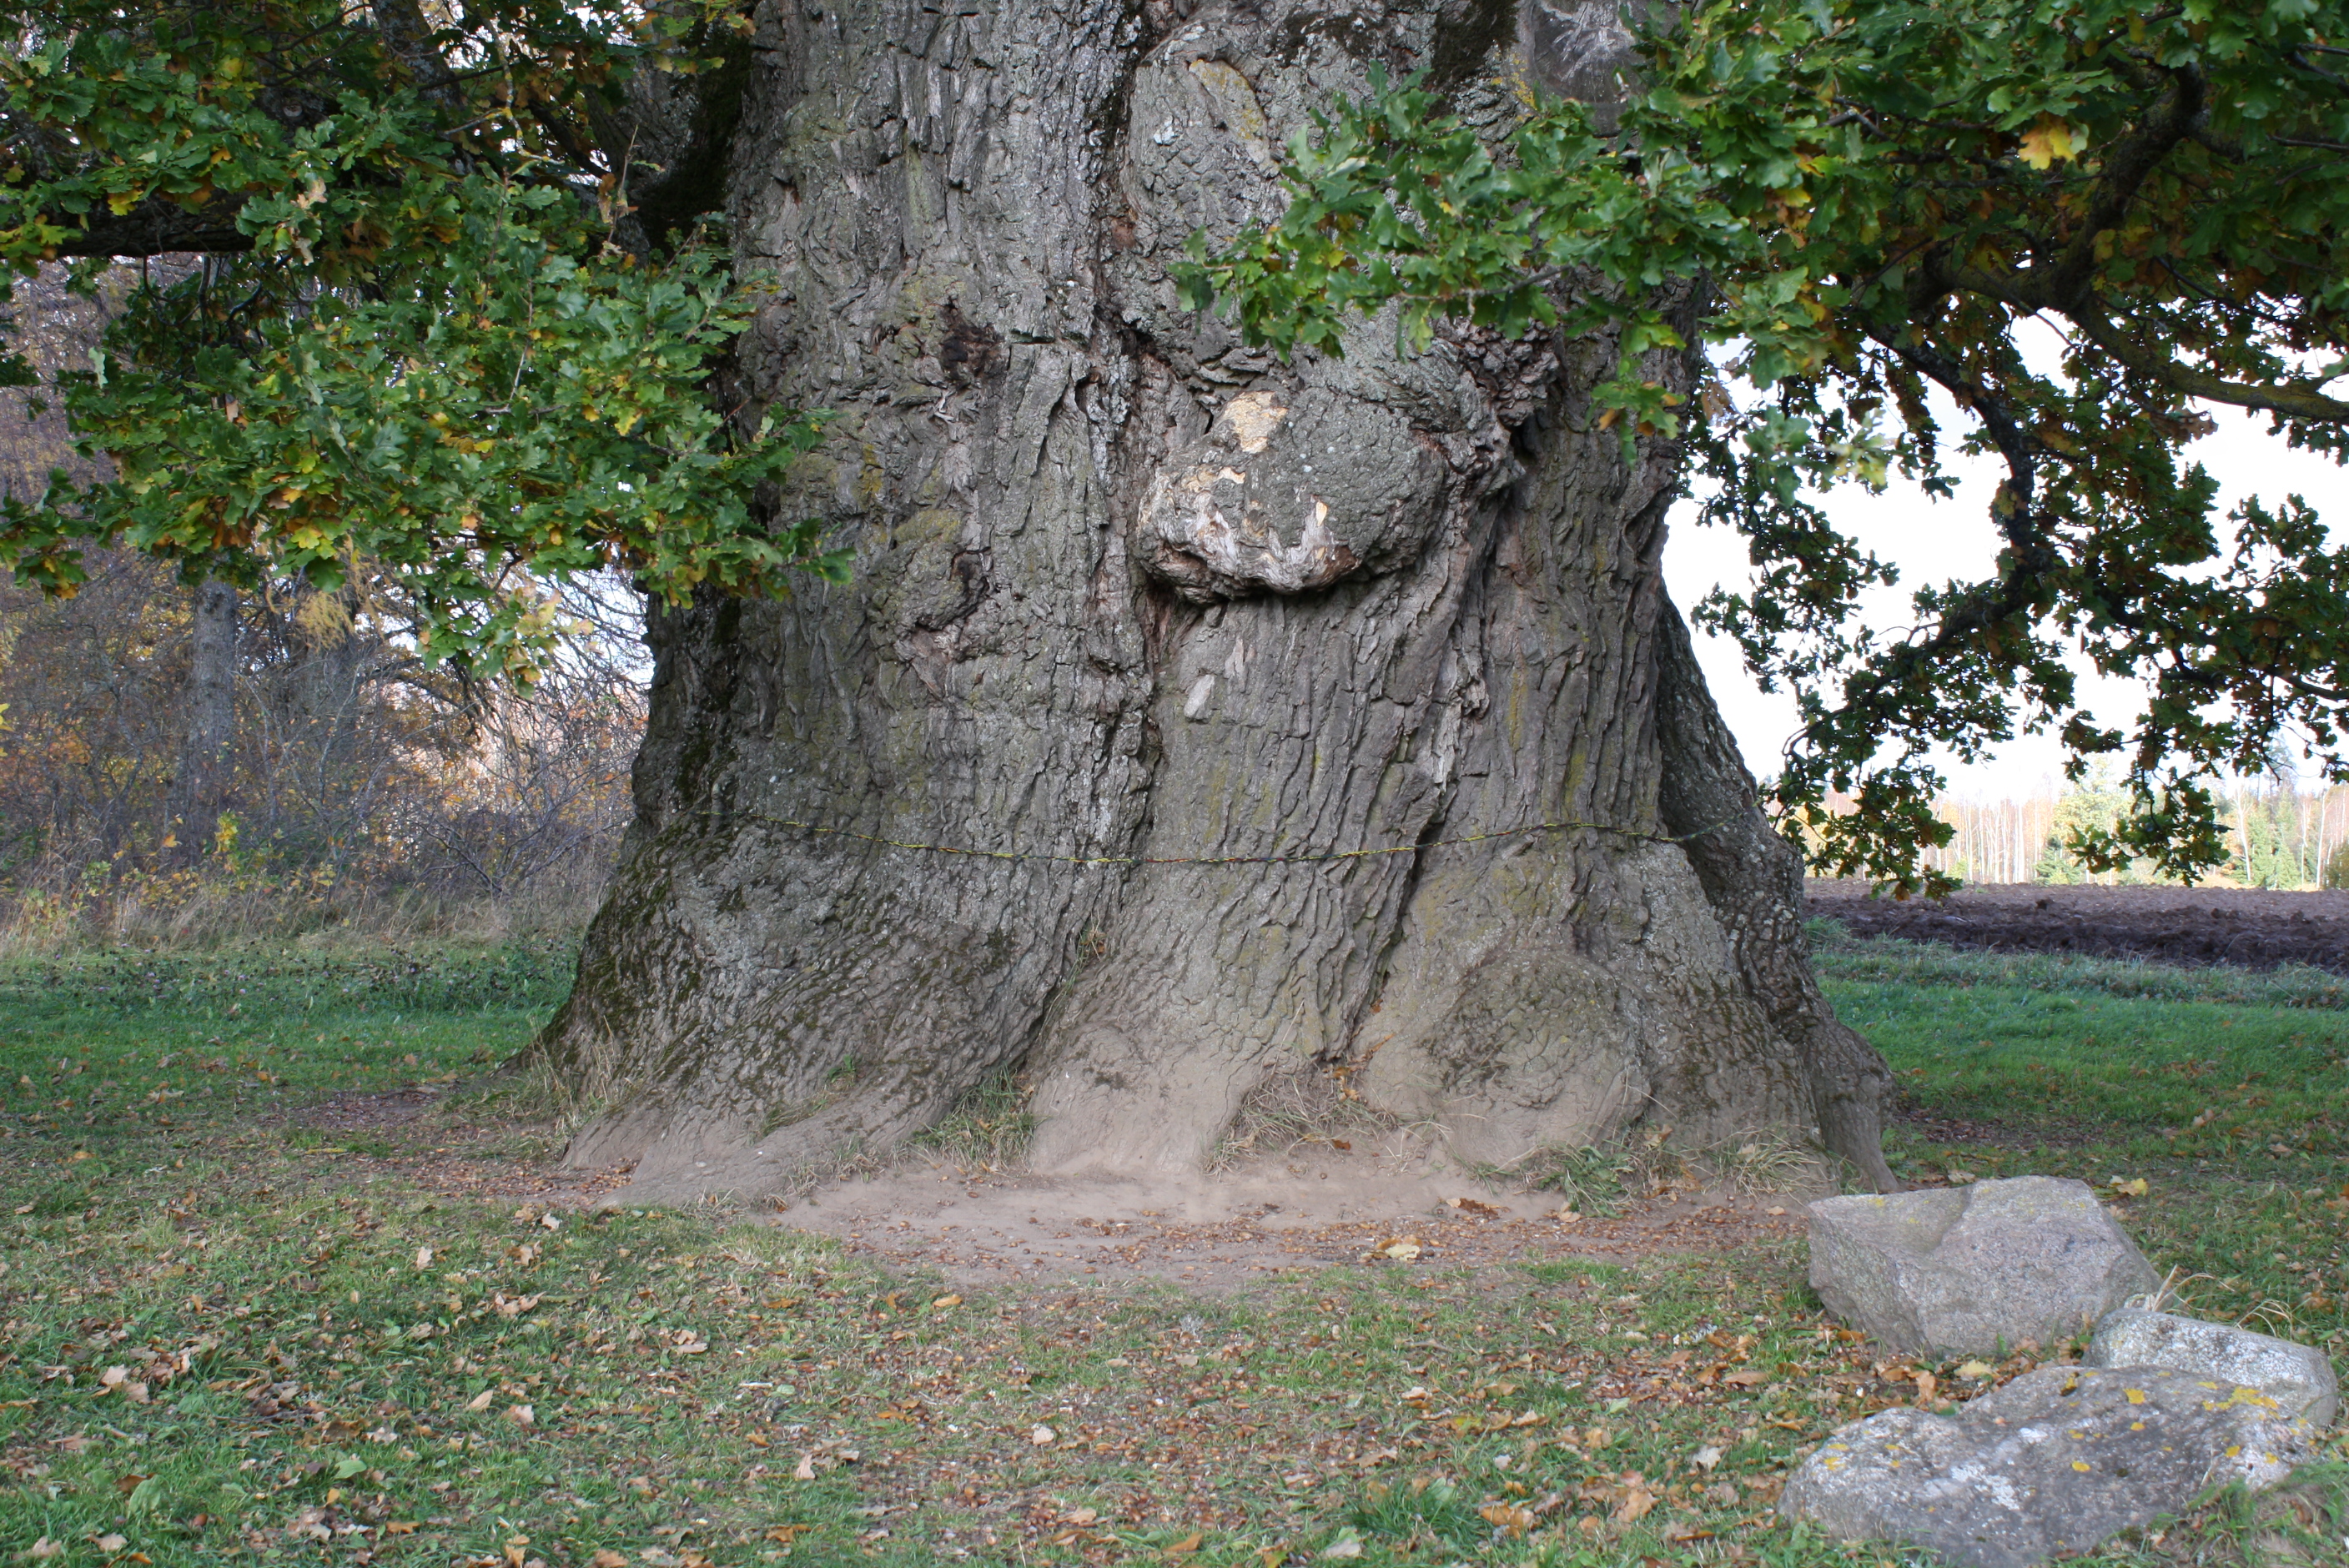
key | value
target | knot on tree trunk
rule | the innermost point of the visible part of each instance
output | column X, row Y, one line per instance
column 1288, row 492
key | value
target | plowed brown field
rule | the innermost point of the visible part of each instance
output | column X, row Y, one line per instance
column 2169, row 924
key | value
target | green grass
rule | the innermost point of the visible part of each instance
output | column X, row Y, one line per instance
column 305, row 1319
column 2145, row 1062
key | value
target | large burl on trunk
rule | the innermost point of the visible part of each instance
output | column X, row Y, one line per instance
column 1149, row 621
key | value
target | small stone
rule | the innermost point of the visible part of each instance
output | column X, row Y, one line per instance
column 1975, row 1270
column 2056, row 1462
column 2299, row 1377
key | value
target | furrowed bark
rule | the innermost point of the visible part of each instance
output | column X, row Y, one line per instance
column 193, row 804
column 1144, row 617
column 1753, row 879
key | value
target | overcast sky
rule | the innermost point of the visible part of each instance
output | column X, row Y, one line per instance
column 1932, row 541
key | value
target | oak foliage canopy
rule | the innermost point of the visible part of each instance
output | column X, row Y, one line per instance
column 423, row 320
column 1875, row 197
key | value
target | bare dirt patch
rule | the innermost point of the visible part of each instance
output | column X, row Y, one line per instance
column 418, row 1132
column 2243, row 926
column 1952, row 1131
column 1232, row 1229
column 354, row 1111
column 1394, row 1204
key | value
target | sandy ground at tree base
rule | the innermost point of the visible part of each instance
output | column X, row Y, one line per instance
column 1398, row 1205
column 1227, row 1230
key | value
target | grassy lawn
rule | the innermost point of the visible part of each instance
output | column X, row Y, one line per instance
column 234, row 1327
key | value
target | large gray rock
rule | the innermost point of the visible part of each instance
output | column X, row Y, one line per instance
column 2058, row 1461
column 1971, row 1270
column 2298, row 1376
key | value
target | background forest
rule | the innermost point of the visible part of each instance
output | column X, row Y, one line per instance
column 2282, row 836
column 303, row 772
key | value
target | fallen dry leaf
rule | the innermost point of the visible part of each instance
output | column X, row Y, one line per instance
column 521, row 1415
column 480, row 1401
column 1508, row 1516
column 1637, row 1502
column 1041, row 1434
column 1402, row 1249
column 1189, row 1544
column 943, row 1302
column 1080, row 1516
column 112, row 1542
column 1706, row 1458
column 607, row 1558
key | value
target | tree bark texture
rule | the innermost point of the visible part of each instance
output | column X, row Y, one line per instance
column 193, row 803
column 1141, row 622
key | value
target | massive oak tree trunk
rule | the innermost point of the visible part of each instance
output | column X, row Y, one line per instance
column 1156, row 625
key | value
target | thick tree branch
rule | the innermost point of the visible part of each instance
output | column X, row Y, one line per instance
column 2126, row 167
column 159, row 229
column 2018, row 290
column 2292, row 402
column 2035, row 551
